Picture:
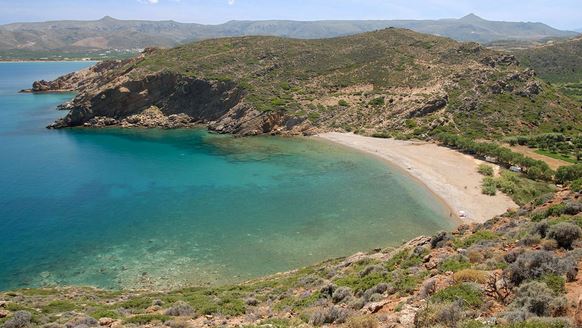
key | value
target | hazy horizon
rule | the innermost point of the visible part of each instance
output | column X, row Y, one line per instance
column 561, row 14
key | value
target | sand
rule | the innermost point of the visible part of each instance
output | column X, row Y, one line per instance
column 450, row 175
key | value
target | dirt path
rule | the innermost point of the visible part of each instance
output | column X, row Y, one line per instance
column 552, row 162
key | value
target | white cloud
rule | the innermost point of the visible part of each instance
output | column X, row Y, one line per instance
column 151, row 2
column 231, row 2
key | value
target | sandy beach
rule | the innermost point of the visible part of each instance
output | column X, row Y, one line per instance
column 449, row 174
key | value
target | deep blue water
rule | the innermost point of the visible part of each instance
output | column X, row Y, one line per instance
column 149, row 208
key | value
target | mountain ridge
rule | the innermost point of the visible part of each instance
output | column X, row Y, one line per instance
column 111, row 33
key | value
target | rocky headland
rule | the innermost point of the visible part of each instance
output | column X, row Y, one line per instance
column 386, row 82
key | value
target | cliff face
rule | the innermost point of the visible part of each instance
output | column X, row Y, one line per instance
column 389, row 81
column 162, row 99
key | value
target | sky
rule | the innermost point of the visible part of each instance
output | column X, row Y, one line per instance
column 563, row 14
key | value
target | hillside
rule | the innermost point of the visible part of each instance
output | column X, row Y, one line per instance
column 522, row 266
column 559, row 63
column 555, row 62
column 390, row 80
column 26, row 39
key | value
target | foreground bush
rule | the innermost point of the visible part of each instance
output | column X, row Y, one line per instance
column 531, row 265
column 180, row 309
column 465, row 293
column 489, row 186
column 535, row 298
column 20, row 319
column 565, row 234
column 440, row 315
column 486, row 170
column 335, row 314
column 362, row 322
column 566, row 174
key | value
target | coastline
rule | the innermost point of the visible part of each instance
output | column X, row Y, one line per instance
column 448, row 174
column 49, row 61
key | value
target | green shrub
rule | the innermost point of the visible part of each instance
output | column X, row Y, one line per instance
column 486, row 170
column 454, row 265
column 105, row 314
column 569, row 173
column 576, row 185
column 382, row 135
column 357, row 283
column 231, row 306
column 554, row 282
column 556, row 210
column 539, row 323
column 405, row 283
column 410, row 123
column 278, row 102
column 137, row 303
column 377, row 102
column 481, row 235
column 343, row 103
column 468, row 294
column 521, row 189
column 489, row 186
column 58, row 307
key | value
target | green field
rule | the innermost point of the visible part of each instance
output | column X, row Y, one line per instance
column 561, row 157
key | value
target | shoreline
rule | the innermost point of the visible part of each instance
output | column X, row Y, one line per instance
column 50, row 61
column 451, row 176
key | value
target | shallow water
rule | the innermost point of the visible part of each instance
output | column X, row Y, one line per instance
column 150, row 208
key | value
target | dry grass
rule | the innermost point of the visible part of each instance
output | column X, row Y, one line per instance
column 471, row 275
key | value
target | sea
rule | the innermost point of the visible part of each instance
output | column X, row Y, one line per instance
column 163, row 209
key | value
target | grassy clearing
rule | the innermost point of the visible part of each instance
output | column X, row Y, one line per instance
column 521, row 189
column 562, row 157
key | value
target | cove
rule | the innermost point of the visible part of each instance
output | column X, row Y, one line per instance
column 162, row 209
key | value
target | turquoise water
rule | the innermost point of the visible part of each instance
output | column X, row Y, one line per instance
column 149, row 208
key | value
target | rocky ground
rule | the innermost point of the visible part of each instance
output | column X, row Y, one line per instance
column 520, row 269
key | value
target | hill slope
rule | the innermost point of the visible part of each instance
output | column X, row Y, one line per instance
column 559, row 63
column 109, row 33
column 393, row 79
column 556, row 62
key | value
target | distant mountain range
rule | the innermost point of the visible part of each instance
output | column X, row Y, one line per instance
column 110, row 33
